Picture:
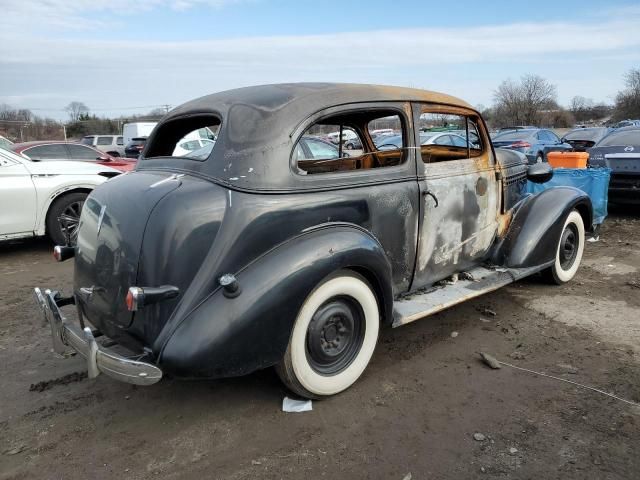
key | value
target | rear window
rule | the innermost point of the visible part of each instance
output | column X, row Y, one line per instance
column 629, row 137
column 180, row 137
column 508, row 136
column 584, row 134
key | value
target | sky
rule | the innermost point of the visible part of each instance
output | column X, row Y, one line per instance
column 123, row 57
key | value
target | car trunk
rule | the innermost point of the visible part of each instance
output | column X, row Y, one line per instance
column 620, row 159
column 110, row 236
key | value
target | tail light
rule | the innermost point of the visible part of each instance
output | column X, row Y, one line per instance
column 520, row 145
column 62, row 253
column 135, row 299
column 138, row 297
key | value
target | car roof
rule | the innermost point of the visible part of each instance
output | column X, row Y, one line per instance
column 260, row 125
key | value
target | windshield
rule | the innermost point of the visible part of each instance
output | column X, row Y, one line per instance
column 628, row 137
column 510, row 136
column 585, row 134
column 201, row 153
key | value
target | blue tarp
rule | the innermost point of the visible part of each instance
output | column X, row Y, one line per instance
column 593, row 181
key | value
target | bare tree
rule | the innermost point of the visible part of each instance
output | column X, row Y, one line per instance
column 628, row 100
column 76, row 110
column 521, row 103
column 581, row 108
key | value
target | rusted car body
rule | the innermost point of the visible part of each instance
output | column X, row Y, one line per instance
column 257, row 256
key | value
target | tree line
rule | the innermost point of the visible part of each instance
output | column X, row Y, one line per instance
column 530, row 101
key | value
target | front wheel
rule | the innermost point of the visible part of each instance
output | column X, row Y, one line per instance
column 333, row 338
column 569, row 250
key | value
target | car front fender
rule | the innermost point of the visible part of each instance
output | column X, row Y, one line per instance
column 536, row 226
column 224, row 337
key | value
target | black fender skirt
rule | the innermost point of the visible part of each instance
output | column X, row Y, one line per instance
column 224, row 337
column 536, row 226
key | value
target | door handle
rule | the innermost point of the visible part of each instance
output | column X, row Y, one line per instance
column 435, row 199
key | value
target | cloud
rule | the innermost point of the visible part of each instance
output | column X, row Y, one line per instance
column 148, row 72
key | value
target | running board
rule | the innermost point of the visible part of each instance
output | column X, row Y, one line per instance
column 477, row 282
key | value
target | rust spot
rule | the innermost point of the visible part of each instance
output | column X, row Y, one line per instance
column 504, row 220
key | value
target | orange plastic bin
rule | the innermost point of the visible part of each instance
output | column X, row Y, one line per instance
column 568, row 159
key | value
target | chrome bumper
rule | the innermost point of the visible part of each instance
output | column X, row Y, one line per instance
column 99, row 359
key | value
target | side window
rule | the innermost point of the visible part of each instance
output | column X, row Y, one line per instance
column 78, row 152
column 351, row 141
column 119, row 141
column 552, row 137
column 48, row 152
column 105, row 140
column 445, row 137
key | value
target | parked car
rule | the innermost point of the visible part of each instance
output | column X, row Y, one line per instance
column 36, row 195
column 134, row 147
column 133, row 130
column 112, row 145
column 583, row 138
column 353, row 144
column 258, row 255
column 5, row 143
column 620, row 151
column 45, row 151
column 627, row 123
column 186, row 146
column 426, row 138
column 535, row 143
column 310, row 147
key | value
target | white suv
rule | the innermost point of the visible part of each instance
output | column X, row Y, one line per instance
column 110, row 144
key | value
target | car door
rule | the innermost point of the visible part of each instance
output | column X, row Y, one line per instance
column 17, row 197
column 459, row 195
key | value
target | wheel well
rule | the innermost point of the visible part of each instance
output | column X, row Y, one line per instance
column 585, row 212
column 62, row 194
column 373, row 280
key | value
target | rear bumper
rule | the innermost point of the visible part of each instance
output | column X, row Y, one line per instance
column 67, row 336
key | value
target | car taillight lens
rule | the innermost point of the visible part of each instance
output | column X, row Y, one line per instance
column 134, row 299
column 520, row 145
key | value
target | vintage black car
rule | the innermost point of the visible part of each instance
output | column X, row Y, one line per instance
column 256, row 256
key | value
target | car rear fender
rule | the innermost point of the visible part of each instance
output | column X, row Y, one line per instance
column 537, row 224
column 223, row 336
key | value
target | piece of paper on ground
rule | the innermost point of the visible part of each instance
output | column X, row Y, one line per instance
column 293, row 406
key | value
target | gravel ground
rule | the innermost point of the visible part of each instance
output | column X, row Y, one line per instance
column 417, row 410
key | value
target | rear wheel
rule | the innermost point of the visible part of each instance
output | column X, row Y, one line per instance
column 64, row 216
column 113, row 154
column 333, row 337
column 569, row 251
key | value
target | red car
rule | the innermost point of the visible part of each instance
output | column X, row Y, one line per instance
column 42, row 151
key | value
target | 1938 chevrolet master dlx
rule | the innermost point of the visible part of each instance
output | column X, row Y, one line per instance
column 276, row 247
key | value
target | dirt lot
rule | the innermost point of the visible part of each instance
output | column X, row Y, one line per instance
column 415, row 410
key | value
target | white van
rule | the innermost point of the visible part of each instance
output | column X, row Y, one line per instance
column 136, row 129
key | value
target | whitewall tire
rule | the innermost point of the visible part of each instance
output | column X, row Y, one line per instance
column 569, row 250
column 333, row 338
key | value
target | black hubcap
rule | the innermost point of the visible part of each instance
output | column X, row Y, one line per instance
column 569, row 244
column 335, row 335
column 69, row 220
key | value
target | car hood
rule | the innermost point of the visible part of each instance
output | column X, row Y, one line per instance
column 68, row 168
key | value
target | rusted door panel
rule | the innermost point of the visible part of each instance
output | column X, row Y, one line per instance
column 459, row 231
